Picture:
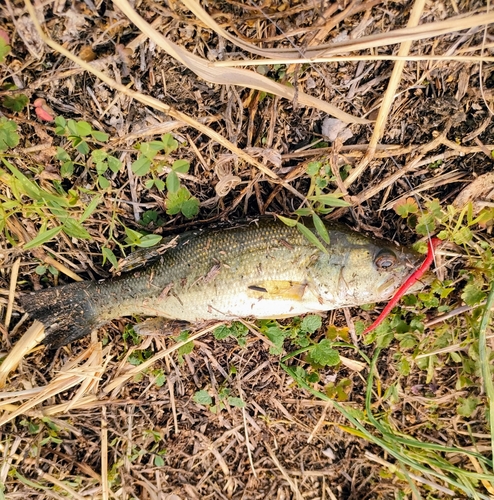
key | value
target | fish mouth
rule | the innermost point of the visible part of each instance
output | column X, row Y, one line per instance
column 421, row 283
column 388, row 286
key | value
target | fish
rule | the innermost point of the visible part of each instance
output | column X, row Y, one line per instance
column 260, row 269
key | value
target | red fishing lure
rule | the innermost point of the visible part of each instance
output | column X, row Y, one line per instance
column 414, row 277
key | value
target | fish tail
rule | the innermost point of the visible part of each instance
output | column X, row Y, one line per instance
column 67, row 312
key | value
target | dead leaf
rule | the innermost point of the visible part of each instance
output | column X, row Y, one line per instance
column 332, row 128
column 481, row 189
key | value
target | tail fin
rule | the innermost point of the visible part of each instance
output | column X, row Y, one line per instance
column 67, row 312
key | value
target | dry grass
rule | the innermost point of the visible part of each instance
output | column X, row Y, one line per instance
column 412, row 80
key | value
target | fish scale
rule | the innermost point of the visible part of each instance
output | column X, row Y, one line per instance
column 262, row 269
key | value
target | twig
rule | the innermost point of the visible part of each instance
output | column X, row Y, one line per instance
column 319, row 423
column 246, row 431
column 13, row 284
column 104, row 454
column 366, row 57
column 34, row 335
column 171, row 390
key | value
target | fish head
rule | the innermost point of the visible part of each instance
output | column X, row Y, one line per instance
column 366, row 271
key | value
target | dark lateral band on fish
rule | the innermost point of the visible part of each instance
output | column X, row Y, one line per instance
column 263, row 269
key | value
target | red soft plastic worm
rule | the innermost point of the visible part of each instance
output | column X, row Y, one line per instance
column 414, row 277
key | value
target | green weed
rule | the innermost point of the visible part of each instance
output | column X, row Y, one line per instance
column 63, row 210
column 55, row 209
column 221, row 400
column 9, row 138
column 4, row 49
column 236, row 330
column 178, row 197
column 15, row 103
column 185, row 349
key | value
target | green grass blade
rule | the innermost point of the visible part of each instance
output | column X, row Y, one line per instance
column 311, row 237
column 28, row 187
column 484, row 362
column 287, row 221
column 321, row 229
column 90, row 208
column 43, row 237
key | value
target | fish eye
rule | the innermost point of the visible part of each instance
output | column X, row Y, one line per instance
column 385, row 260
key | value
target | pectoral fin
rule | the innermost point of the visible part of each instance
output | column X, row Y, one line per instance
column 278, row 289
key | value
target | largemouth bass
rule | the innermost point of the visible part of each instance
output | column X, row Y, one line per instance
column 263, row 269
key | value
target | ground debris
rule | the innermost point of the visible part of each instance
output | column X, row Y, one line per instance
column 210, row 418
